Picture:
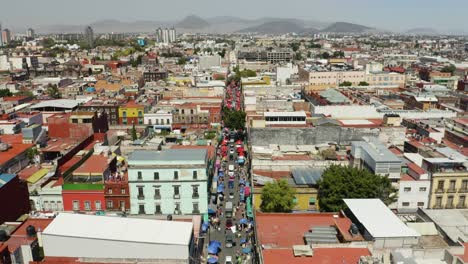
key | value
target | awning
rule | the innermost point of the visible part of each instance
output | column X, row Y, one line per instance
column 37, row 176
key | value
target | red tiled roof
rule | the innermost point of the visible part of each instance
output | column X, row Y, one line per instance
column 273, row 174
column 14, row 98
column 286, row 230
column 16, row 147
column 19, row 236
column 412, row 166
column 25, row 173
column 94, row 164
column 406, row 177
column 396, row 151
column 321, row 256
column 132, row 104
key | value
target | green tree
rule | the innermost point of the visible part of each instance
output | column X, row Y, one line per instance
column 277, row 197
column 53, row 91
column 134, row 133
column 338, row 54
column 346, row 84
column 31, row 153
column 5, row 92
column 234, row 119
column 363, row 84
column 48, row 42
column 222, row 53
column 341, row 182
column 325, row 55
column 181, row 61
column 295, row 46
column 246, row 73
column 298, row 56
column 450, row 68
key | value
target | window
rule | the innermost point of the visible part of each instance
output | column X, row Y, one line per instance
column 195, row 175
column 176, row 191
column 449, row 201
column 405, row 204
column 141, row 196
column 195, row 210
column 407, row 189
column 123, row 191
column 176, row 175
column 195, row 192
column 183, row 111
column 452, row 184
column 191, row 111
column 157, row 209
column 168, row 122
column 422, row 189
column 438, row 201
column 464, row 185
column 110, row 204
column 124, row 113
column 76, row 205
column 139, row 177
column 157, row 193
column 461, row 201
column 156, row 176
column 420, row 204
column 440, row 185
column 122, row 205
column 141, row 209
column 177, row 208
column 109, row 191
column 87, row 205
column 97, row 204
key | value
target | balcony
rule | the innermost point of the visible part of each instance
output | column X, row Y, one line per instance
column 176, row 196
column 461, row 206
column 449, row 206
column 451, row 190
column 141, row 197
column 438, row 206
column 157, row 197
column 463, row 190
column 195, row 195
column 439, row 191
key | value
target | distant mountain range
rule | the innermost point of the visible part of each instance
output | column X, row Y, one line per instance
column 223, row 24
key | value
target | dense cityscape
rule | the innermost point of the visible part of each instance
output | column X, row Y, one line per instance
column 275, row 142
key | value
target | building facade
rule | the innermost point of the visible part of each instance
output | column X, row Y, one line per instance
column 326, row 79
column 131, row 113
column 168, row 182
column 14, row 196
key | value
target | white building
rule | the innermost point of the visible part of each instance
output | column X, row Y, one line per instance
column 378, row 223
column 414, row 190
column 374, row 156
column 207, row 62
column 285, row 118
column 285, row 72
column 159, row 120
column 113, row 238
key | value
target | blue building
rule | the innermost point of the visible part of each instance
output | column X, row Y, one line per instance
column 171, row 181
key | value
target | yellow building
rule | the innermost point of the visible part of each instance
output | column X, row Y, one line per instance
column 449, row 183
column 255, row 81
column 131, row 113
column 305, row 199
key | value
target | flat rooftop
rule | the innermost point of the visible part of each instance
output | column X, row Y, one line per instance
column 452, row 222
column 378, row 219
column 170, row 156
column 120, row 229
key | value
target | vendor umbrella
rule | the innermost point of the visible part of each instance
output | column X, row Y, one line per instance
column 243, row 240
column 212, row 260
column 204, row 227
column 246, row 250
column 215, row 243
column 211, row 211
column 213, row 249
column 243, row 221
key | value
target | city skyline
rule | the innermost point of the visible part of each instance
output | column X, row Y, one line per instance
column 395, row 16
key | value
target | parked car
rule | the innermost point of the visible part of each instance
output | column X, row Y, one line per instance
column 229, row 223
column 228, row 260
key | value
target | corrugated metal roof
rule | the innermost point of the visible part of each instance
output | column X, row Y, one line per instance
column 37, row 175
column 307, row 176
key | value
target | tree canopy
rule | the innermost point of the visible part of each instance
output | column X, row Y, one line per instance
column 363, row 84
column 325, row 55
column 277, row 197
column 53, row 91
column 346, row 83
column 5, row 92
column 450, row 68
column 340, row 182
column 234, row 119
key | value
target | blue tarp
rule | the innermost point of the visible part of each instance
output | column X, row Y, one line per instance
column 243, row 240
column 242, row 182
column 211, row 211
column 213, row 249
column 220, row 173
column 220, row 188
column 204, row 227
column 215, row 242
column 212, row 260
column 246, row 250
column 243, row 221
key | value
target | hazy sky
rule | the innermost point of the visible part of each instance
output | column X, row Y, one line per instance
column 386, row 14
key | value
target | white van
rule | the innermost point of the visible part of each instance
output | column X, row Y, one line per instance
column 231, row 167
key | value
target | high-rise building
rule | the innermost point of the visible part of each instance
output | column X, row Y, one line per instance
column 89, row 36
column 30, row 33
column 165, row 35
column 6, row 36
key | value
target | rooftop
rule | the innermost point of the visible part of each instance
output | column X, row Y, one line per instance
column 170, row 156
column 376, row 149
column 94, row 164
column 277, row 230
column 58, row 103
column 120, row 229
column 321, row 256
column 452, row 222
column 5, row 178
column 16, row 147
column 378, row 219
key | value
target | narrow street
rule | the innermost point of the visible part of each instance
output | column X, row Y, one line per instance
column 230, row 224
